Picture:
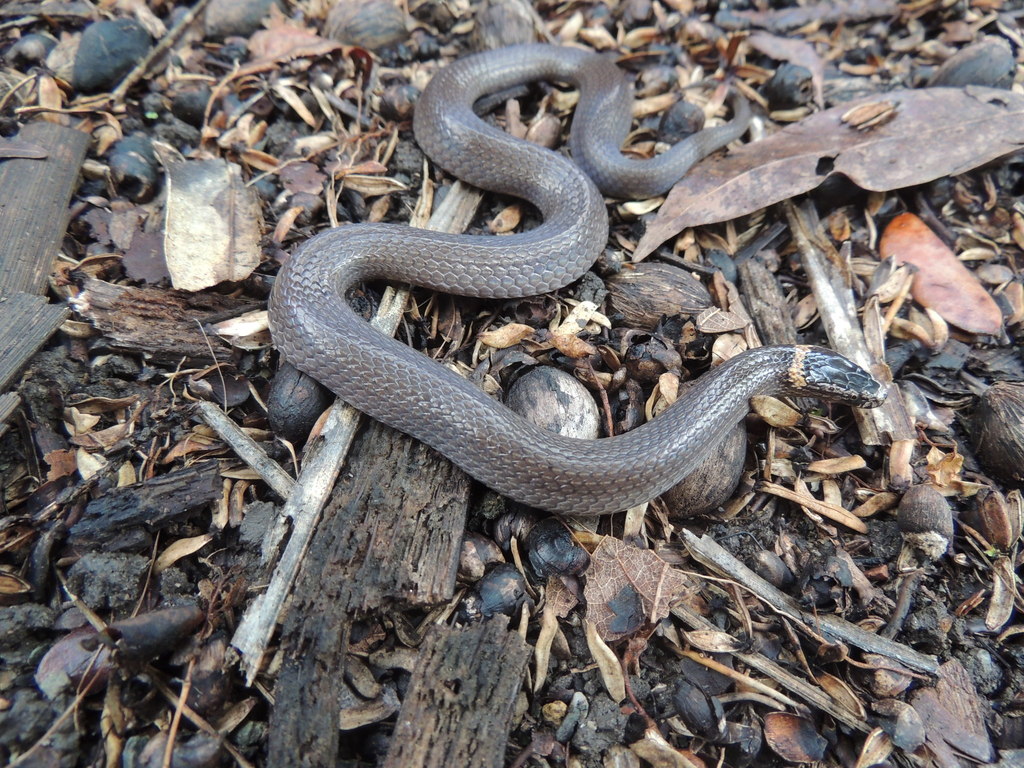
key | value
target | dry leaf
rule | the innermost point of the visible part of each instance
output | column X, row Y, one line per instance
column 179, row 549
column 793, row 738
column 284, row 40
column 506, row 336
column 628, row 587
column 942, row 282
column 607, row 663
column 934, row 132
column 213, row 224
column 1000, row 607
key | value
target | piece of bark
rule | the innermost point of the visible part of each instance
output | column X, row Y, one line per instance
column 387, row 536
column 322, row 464
column 149, row 505
column 167, row 325
column 766, row 303
column 26, row 322
column 459, row 706
column 34, row 197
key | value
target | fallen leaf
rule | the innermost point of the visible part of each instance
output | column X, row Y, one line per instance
column 942, row 282
column 506, row 336
column 793, row 738
column 607, row 663
column 213, row 227
column 285, row 39
column 628, row 587
column 302, row 177
column 933, row 132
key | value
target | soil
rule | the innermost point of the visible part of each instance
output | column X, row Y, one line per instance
column 134, row 539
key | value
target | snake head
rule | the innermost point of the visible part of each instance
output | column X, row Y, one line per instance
column 820, row 372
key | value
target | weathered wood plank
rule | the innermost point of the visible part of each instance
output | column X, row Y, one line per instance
column 26, row 322
column 459, row 706
column 387, row 537
column 8, row 405
column 34, row 197
column 167, row 325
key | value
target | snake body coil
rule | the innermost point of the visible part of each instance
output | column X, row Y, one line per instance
column 320, row 335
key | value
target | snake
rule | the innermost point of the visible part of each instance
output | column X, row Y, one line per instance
column 315, row 329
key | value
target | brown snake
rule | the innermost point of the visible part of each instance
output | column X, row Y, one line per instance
column 319, row 334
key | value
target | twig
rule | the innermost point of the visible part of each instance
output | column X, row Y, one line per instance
column 247, row 449
column 710, row 554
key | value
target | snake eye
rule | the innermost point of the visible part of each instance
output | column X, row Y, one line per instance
column 831, row 376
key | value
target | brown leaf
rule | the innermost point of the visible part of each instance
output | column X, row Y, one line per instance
column 284, row 40
column 933, row 132
column 953, row 715
column 793, row 738
column 506, row 336
column 213, row 224
column 942, row 283
column 628, row 587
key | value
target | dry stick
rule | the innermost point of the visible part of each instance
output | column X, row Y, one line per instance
column 247, row 449
column 795, row 685
column 710, row 554
column 320, row 470
column 878, row 426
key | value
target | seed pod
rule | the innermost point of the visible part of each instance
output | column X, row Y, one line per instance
column 370, row 24
column 770, row 567
column 478, row 552
column 30, row 50
column 644, row 294
column 133, row 167
column 294, row 403
column 926, row 521
column 713, row 482
column 702, row 714
column 680, row 120
column 554, row 400
column 553, row 551
column 789, row 87
column 988, row 62
column 999, row 431
column 502, row 590
column 996, row 518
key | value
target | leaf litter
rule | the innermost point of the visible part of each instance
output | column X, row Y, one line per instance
column 933, row 132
